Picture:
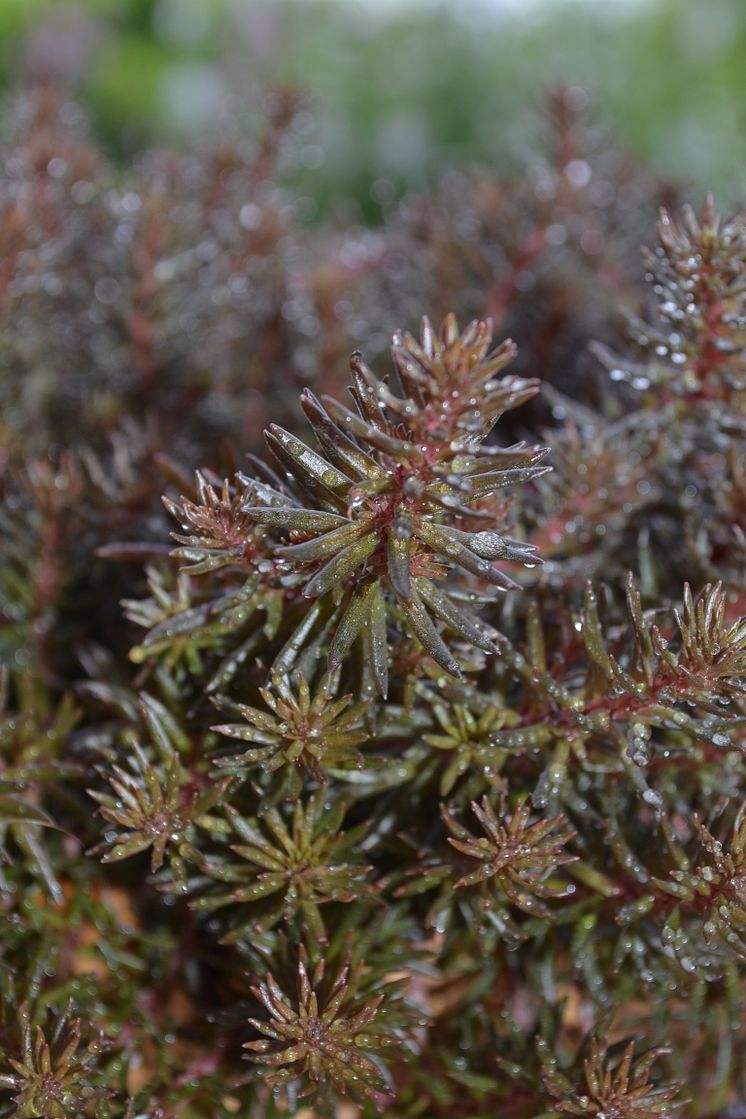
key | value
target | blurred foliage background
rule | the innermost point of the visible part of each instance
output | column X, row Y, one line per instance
column 399, row 91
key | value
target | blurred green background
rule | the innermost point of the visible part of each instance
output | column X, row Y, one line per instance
column 399, row 91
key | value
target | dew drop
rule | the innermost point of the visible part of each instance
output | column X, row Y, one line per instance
column 651, row 797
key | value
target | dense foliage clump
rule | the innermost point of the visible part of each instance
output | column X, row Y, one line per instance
column 408, row 776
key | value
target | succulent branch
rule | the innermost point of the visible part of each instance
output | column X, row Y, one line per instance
column 622, row 1088
column 514, row 860
column 155, row 804
column 714, row 887
column 322, row 1034
column 297, row 868
column 53, row 1078
column 300, row 732
column 698, row 272
column 373, row 516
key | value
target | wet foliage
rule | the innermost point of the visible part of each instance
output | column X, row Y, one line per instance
column 406, row 775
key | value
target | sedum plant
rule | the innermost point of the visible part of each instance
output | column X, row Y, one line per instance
column 408, row 777
column 598, row 742
column 319, row 1035
column 376, row 519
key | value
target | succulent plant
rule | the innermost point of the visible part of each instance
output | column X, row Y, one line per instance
column 356, row 814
